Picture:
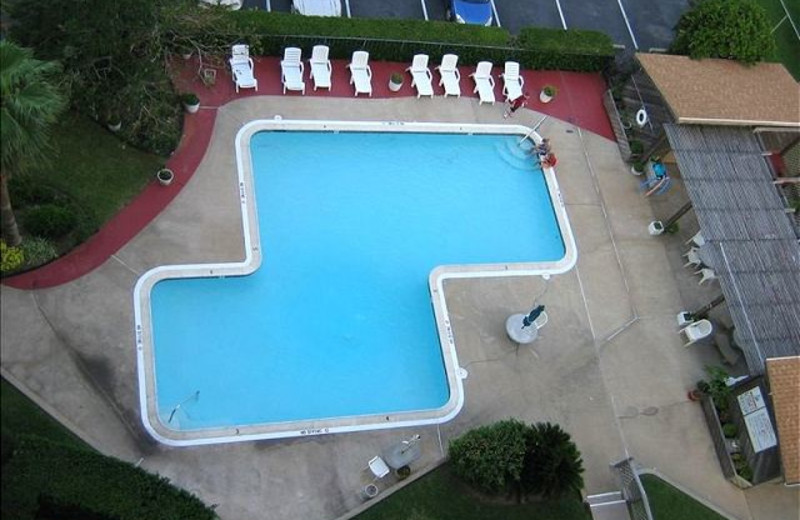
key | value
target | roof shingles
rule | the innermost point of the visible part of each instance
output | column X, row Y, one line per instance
column 784, row 382
column 724, row 92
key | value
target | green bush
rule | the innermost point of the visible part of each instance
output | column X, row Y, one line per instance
column 399, row 40
column 50, row 221
column 510, row 455
column 92, row 482
column 730, row 430
column 38, row 250
column 729, row 29
column 24, row 190
column 11, row 258
column 490, row 457
column 553, row 465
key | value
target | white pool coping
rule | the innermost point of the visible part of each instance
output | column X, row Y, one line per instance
column 252, row 261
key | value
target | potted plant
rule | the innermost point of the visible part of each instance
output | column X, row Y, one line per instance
column 114, row 123
column 165, row 176
column 655, row 227
column 548, row 93
column 402, row 472
column 637, row 168
column 637, row 147
column 190, row 102
column 395, row 81
column 696, row 393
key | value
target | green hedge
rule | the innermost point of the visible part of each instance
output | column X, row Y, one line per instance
column 399, row 40
column 44, row 470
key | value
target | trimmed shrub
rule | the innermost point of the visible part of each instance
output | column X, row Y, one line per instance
column 553, row 466
column 490, row 457
column 11, row 258
column 50, row 221
column 399, row 40
column 87, row 480
column 730, row 430
column 730, row 29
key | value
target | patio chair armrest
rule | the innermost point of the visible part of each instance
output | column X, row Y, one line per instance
column 491, row 81
column 369, row 71
column 428, row 73
column 521, row 82
column 302, row 68
column 328, row 65
column 457, row 74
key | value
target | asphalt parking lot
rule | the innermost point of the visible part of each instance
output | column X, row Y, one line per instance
column 634, row 24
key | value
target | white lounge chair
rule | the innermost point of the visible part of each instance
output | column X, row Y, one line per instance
column 541, row 320
column 320, row 67
column 242, row 67
column 292, row 70
column 484, row 82
column 450, row 76
column 512, row 81
column 360, row 73
column 421, row 77
column 696, row 331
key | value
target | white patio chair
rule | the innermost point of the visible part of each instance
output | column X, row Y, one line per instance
column 692, row 258
column 361, row 73
column 292, row 70
column 421, row 77
column 706, row 275
column 697, row 239
column 696, row 331
column 378, row 467
column 512, row 81
column 320, row 67
column 242, row 67
column 541, row 320
column 450, row 76
column 484, row 82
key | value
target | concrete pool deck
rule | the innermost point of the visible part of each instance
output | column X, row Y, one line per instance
column 608, row 367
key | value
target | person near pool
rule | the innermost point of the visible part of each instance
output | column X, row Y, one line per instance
column 549, row 160
column 512, row 105
column 543, row 148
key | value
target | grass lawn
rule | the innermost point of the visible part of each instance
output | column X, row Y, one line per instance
column 20, row 415
column 439, row 495
column 96, row 169
column 788, row 44
column 669, row 503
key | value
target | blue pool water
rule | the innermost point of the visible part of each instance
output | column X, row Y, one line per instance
column 338, row 320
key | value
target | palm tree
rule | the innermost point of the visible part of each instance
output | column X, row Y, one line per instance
column 553, row 466
column 29, row 104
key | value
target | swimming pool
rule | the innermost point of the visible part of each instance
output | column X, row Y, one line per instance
column 336, row 318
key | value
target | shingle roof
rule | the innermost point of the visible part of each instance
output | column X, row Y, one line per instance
column 724, row 92
column 784, row 382
column 753, row 248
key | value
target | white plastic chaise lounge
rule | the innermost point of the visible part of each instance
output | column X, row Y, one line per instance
column 484, row 82
column 320, row 67
column 450, row 76
column 421, row 76
column 292, row 70
column 360, row 73
column 696, row 331
column 512, row 81
column 242, row 67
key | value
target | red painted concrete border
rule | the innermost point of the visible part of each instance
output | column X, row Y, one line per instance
column 579, row 101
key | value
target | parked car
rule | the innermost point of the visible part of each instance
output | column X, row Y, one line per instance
column 317, row 7
column 477, row 12
column 231, row 4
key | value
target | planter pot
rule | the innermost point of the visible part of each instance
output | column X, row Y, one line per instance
column 402, row 472
column 684, row 318
column 544, row 98
column 694, row 395
column 165, row 176
column 192, row 108
column 636, row 172
column 655, row 228
column 115, row 127
column 369, row 491
column 394, row 87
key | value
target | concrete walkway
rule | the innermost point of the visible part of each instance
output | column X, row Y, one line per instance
column 608, row 367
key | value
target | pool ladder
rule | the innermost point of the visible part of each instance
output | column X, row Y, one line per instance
column 195, row 396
